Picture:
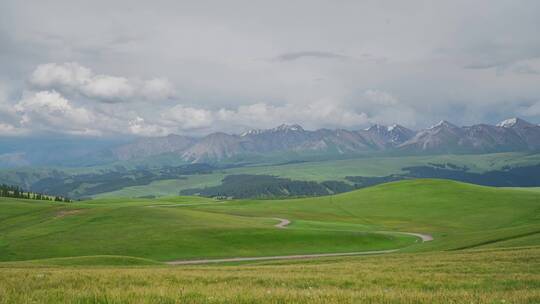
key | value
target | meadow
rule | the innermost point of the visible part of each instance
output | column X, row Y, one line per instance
column 325, row 170
column 474, row 276
column 486, row 248
column 458, row 216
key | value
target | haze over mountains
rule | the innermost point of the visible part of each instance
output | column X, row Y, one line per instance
column 280, row 144
column 510, row 135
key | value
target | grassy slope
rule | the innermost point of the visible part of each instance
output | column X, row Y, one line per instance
column 481, row 277
column 458, row 215
column 331, row 170
column 33, row 230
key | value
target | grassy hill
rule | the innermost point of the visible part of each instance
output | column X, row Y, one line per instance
column 458, row 215
column 486, row 248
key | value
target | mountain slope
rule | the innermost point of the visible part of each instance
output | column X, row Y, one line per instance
column 153, row 146
column 509, row 136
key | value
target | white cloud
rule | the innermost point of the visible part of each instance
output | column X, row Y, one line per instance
column 108, row 88
column 50, row 111
column 71, row 78
column 138, row 126
column 380, row 98
column 186, row 118
column 158, row 88
column 322, row 113
column 217, row 62
column 56, row 76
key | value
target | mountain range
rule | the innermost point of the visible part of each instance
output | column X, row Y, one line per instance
column 511, row 135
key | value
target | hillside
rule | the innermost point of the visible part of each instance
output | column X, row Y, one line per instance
column 457, row 215
column 511, row 135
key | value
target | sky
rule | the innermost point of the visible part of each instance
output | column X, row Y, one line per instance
column 151, row 68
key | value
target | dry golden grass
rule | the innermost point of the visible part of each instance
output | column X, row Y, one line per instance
column 487, row 276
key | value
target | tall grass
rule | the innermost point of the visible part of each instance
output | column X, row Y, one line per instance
column 487, row 276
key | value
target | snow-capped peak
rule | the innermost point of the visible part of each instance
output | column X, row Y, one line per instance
column 251, row 132
column 392, row 127
column 285, row 127
column 508, row 123
column 376, row 127
column 442, row 123
column 514, row 122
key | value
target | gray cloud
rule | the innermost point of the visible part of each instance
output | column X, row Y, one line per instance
column 484, row 66
column 308, row 54
column 358, row 61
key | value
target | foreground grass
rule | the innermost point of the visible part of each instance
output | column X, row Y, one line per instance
column 480, row 276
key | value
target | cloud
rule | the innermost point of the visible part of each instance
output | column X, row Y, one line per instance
column 187, row 118
column 72, row 78
column 11, row 130
column 140, row 127
column 48, row 110
column 528, row 66
column 530, row 110
column 57, row 76
column 380, row 98
column 108, row 88
column 309, row 54
column 484, row 66
column 322, row 113
column 204, row 66
column 158, row 89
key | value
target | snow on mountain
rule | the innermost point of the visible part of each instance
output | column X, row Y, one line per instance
column 444, row 137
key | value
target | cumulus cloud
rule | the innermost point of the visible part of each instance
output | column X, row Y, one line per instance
column 53, row 75
column 48, row 110
column 72, row 78
column 140, row 127
column 344, row 65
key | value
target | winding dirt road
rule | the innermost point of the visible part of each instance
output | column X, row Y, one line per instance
column 279, row 257
column 283, row 223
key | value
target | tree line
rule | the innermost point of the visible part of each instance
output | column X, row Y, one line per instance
column 18, row 192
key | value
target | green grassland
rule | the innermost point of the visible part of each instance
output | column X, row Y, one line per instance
column 325, row 170
column 479, row 276
column 33, row 231
column 458, row 216
column 111, row 250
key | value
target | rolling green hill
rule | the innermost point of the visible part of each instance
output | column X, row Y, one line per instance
column 486, row 248
column 458, row 216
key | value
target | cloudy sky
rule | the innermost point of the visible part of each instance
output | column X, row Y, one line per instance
column 117, row 68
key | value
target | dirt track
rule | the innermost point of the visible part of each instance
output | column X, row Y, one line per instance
column 283, row 223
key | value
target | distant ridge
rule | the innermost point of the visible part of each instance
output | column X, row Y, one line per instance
column 512, row 134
